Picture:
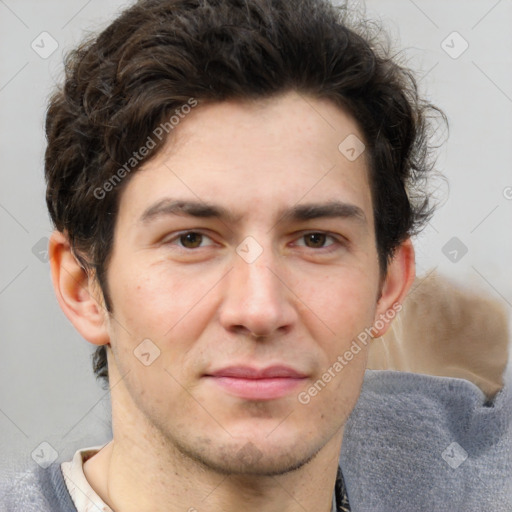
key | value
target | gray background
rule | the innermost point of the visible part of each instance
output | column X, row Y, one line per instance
column 47, row 389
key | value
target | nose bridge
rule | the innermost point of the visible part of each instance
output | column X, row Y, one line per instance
column 256, row 268
column 256, row 297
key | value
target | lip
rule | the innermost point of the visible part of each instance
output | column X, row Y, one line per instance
column 248, row 372
column 257, row 384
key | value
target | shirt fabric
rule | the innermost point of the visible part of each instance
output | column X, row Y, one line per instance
column 83, row 495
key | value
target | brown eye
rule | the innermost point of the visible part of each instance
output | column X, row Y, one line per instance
column 191, row 240
column 317, row 239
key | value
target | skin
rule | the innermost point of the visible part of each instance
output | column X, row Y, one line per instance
column 180, row 441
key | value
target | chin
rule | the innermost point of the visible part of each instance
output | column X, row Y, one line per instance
column 246, row 458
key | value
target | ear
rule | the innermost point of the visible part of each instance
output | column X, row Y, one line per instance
column 399, row 278
column 78, row 294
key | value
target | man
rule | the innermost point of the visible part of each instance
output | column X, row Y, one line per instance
column 230, row 183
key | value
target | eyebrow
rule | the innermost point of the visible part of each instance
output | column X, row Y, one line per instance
column 331, row 209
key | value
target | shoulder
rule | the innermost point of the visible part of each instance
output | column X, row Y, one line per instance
column 34, row 489
column 421, row 441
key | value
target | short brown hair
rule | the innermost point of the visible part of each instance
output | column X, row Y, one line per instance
column 128, row 80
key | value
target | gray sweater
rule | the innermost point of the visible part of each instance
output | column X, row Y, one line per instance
column 413, row 443
column 37, row 490
column 419, row 443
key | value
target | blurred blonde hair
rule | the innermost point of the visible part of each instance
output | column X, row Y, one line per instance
column 447, row 329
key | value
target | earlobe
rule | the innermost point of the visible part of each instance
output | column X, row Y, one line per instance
column 399, row 278
column 78, row 297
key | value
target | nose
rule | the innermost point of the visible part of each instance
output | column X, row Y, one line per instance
column 257, row 298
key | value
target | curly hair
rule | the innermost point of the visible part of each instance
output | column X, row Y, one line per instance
column 158, row 54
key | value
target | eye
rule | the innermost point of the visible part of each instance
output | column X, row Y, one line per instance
column 317, row 239
column 188, row 239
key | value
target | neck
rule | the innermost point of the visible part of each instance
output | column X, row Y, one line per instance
column 135, row 474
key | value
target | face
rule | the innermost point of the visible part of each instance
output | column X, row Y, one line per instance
column 248, row 298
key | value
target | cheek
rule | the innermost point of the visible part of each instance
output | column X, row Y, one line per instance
column 154, row 315
column 156, row 304
column 341, row 304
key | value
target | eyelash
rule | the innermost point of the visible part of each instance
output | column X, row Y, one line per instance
column 334, row 246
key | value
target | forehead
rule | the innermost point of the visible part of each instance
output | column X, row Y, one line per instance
column 257, row 155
